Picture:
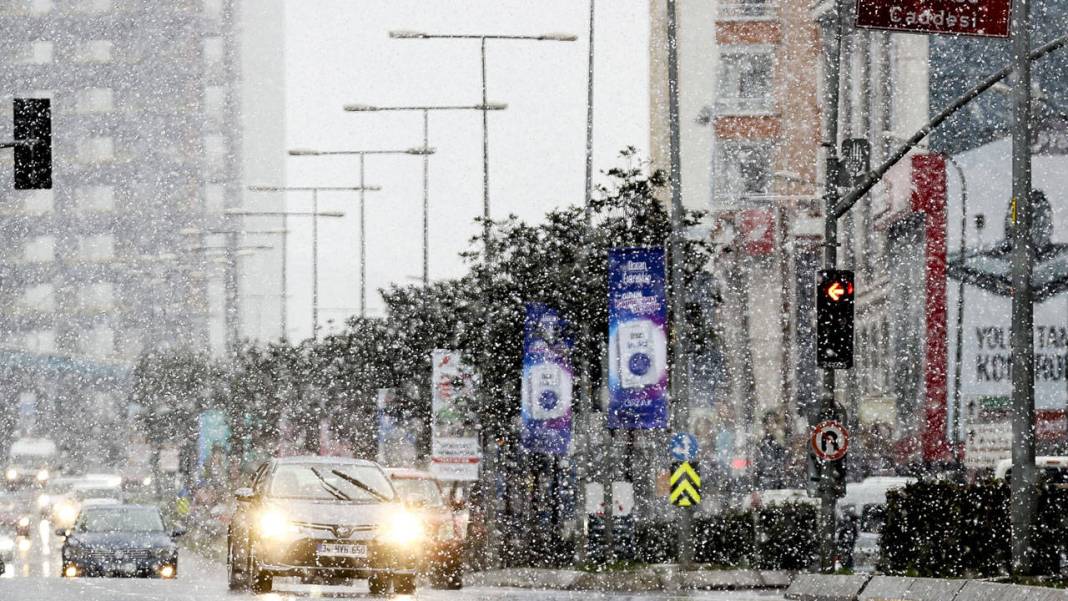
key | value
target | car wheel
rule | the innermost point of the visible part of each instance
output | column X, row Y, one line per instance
column 231, row 573
column 258, row 582
column 404, row 584
column 379, row 584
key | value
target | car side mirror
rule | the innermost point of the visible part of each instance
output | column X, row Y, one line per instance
column 458, row 504
column 177, row 532
column 64, row 532
column 244, row 494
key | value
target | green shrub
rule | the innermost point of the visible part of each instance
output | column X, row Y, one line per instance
column 787, row 538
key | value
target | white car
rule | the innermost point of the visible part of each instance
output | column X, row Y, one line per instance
column 1048, row 465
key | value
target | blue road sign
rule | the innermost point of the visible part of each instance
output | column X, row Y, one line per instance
column 683, row 447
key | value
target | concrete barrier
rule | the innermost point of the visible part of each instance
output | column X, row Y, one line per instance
column 892, row 588
column 824, row 587
column 976, row 590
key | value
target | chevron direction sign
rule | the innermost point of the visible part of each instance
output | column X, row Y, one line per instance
column 685, row 485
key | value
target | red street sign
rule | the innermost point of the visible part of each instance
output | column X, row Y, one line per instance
column 758, row 232
column 986, row 18
column 830, row 440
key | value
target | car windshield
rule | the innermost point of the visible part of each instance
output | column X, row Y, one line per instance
column 119, row 520
column 325, row 482
column 419, row 492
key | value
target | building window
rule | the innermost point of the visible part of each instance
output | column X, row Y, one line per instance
column 93, row 51
column 214, row 198
column 41, row 341
column 99, row 247
column 98, row 341
column 94, row 199
column 215, row 148
column 40, row 297
column 743, row 169
column 96, row 150
column 213, row 9
column 39, row 202
column 99, row 295
column 92, row 7
column 214, row 51
column 37, row 52
column 745, row 81
column 40, row 250
column 95, row 100
column 747, row 9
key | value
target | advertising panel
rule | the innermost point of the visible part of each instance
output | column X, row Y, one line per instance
column 454, row 447
column 547, row 382
column 637, row 339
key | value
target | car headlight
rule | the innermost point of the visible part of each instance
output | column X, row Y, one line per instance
column 67, row 513
column 403, row 528
column 42, row 475
column 274, row 525
column 24, row 522
column 43, row 501
column 11, row 473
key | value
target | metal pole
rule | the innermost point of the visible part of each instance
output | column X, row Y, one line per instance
column 489, row 443
column 315, row 264
column 958, row 353
column 833, row 50
column 1023, row 351
column 285, row 284
column 363, row 246
column 426, row 199
column 585, row 412
column 678, row 394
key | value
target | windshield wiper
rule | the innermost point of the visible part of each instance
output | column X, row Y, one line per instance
column 360, row 485
column 330, row 488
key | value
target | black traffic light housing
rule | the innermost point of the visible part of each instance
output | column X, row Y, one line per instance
column 33, row 144
column 834, row 319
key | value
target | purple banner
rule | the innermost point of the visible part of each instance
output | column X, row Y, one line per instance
column 547, row 382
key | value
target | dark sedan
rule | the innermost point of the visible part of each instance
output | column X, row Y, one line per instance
column 327, row 520
column 119, row 540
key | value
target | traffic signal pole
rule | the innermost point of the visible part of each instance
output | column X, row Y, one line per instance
column 1024, row 494
column 833, row 50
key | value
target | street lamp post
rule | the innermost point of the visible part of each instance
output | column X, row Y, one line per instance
column 425, row 152
column 486, row 226
column 425, row 110
column 315, row 214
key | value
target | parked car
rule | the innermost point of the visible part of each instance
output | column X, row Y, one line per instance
column 323, row 519
column 444, row 563
column 119, row 540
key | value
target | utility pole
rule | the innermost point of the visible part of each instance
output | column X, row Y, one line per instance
column 1024, row 496
column 679, row 399
column 828, row 406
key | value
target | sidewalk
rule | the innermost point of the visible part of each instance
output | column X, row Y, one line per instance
column 665, row 577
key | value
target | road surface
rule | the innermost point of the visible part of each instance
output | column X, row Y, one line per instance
column 34, row 576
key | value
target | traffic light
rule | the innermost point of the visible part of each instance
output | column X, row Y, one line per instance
column 33, row 148
column 834, row 319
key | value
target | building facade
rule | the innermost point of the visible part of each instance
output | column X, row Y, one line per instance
column 752, row 83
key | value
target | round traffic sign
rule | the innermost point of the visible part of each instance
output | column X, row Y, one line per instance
column 830, row 440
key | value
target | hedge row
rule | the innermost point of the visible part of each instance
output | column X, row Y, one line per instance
column 944, row 529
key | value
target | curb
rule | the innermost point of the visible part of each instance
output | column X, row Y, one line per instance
column 650, row 579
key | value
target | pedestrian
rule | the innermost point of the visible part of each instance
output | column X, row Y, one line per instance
column 848, row 531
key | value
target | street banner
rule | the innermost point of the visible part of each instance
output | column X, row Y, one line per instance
column 985, row 18
column 213, row 435
column 547, row 382
column 454, row 447
column 637, row 339
column 398, row 433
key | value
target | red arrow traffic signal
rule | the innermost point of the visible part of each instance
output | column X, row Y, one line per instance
column 835, row 291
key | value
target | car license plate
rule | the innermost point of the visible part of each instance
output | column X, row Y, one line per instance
column 336, row 550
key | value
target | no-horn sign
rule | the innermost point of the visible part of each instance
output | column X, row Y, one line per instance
column 830, row 440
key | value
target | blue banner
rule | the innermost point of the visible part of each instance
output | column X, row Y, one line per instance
column 637, row 339
column 547, row 382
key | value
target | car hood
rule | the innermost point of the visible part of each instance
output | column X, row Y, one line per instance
column 348, row 514
column 119, row 540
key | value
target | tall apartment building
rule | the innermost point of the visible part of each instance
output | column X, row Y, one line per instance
column 150, row 110
column 751, row 82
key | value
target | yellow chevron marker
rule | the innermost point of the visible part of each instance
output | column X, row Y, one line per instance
column 685, row 486
column 686, row 470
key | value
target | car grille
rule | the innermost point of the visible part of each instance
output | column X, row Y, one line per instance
column 117, row 556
